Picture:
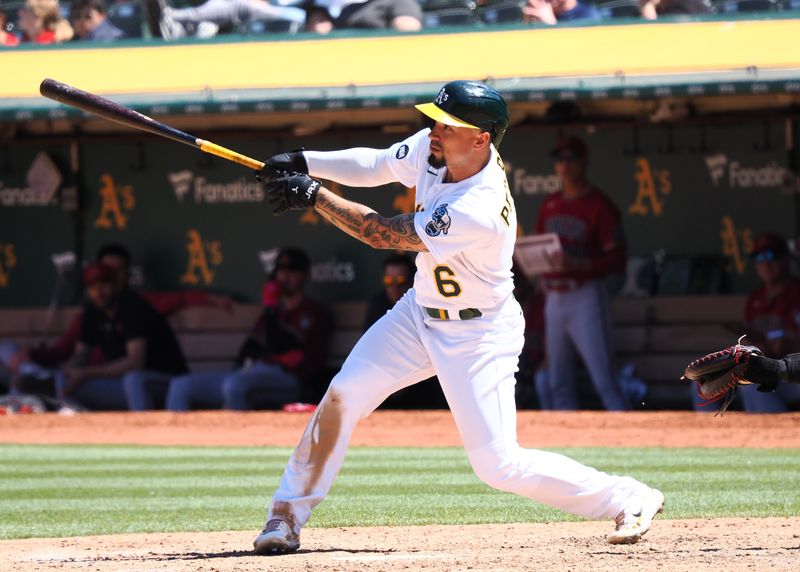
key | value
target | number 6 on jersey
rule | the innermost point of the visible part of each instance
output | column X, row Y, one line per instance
column 447, row 287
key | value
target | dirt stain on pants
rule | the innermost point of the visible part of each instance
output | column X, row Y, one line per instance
column 325, row 431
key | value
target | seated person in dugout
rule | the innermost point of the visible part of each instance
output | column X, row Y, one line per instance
column 139, row 350
column 283, row 354
column 772, row 319
column 35, row 365
column 771, row 322
column 398, row 276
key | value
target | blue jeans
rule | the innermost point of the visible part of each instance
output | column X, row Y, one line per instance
column 145, row 389
column 267, row 385
column 136, row 390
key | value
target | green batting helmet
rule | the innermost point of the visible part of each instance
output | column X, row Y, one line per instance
column 470, row 104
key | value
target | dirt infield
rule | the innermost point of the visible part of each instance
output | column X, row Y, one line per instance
column 409, row 428
column 730, row 544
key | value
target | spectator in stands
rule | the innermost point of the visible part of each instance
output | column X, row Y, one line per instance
column 89, row 21
column 41, row 23
column 36, row 364
column 318, row 21
column 772, row 318
column 213, row 15
column 398, row 275
column 577, row 309
column 140, row 352
column 7, row 40
column 283, row 353
column 554, row 11
column 399, row 15
column 653, row 9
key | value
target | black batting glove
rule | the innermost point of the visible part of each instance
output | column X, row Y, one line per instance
column 291, row 162
column 291, row 191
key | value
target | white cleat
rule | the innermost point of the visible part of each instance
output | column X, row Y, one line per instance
column 631, row 526
column 276, row 538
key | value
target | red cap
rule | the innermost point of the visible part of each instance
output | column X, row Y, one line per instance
column 98, row 272
column 772, row 242
column 574, row 144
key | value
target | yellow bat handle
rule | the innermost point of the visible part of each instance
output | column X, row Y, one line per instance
column 225, row 153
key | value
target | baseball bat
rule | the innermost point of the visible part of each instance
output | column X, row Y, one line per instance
column 117, row 113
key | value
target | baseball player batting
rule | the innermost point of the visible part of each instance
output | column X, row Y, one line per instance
column 459, row 321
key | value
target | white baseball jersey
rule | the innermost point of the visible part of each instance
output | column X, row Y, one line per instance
column 468, row 227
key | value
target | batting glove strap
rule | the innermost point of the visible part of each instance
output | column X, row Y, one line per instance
column 292, row 191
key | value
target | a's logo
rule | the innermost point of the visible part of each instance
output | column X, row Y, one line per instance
column 8, row 260
column 204, row 257
column 440, row 221
column 117, row 203
column 716, row 167
column 242, row 190
column 652, row 187
column 737, row 243
column 402, row 152
column 442, row 97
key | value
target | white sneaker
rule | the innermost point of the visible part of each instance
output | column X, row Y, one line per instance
column 276, row 538
column 634, row 521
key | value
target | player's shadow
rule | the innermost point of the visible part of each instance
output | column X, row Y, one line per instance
column 250, row 553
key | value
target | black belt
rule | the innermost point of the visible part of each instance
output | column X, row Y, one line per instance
column 466, row 314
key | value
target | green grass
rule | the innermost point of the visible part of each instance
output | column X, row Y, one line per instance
column 80, row 490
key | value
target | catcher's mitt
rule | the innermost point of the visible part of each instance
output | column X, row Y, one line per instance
column 718, row 374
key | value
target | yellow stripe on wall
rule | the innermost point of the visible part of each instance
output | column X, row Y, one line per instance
column 583, row 51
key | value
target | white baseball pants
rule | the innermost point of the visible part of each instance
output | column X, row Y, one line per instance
column 475, row 361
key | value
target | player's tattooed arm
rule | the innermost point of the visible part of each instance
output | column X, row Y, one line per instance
column 364, row 224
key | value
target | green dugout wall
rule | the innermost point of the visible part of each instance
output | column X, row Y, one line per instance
column 197, row 222
column 710, row 165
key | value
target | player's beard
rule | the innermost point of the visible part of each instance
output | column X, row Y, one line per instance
column 437, row 163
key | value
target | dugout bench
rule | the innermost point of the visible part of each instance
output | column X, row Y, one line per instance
column 660, row 335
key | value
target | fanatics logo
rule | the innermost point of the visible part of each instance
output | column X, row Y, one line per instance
column 440, row 221
column 716, row 167
column 402, row 152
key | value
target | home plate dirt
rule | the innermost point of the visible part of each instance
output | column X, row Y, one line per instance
column 727, row 544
